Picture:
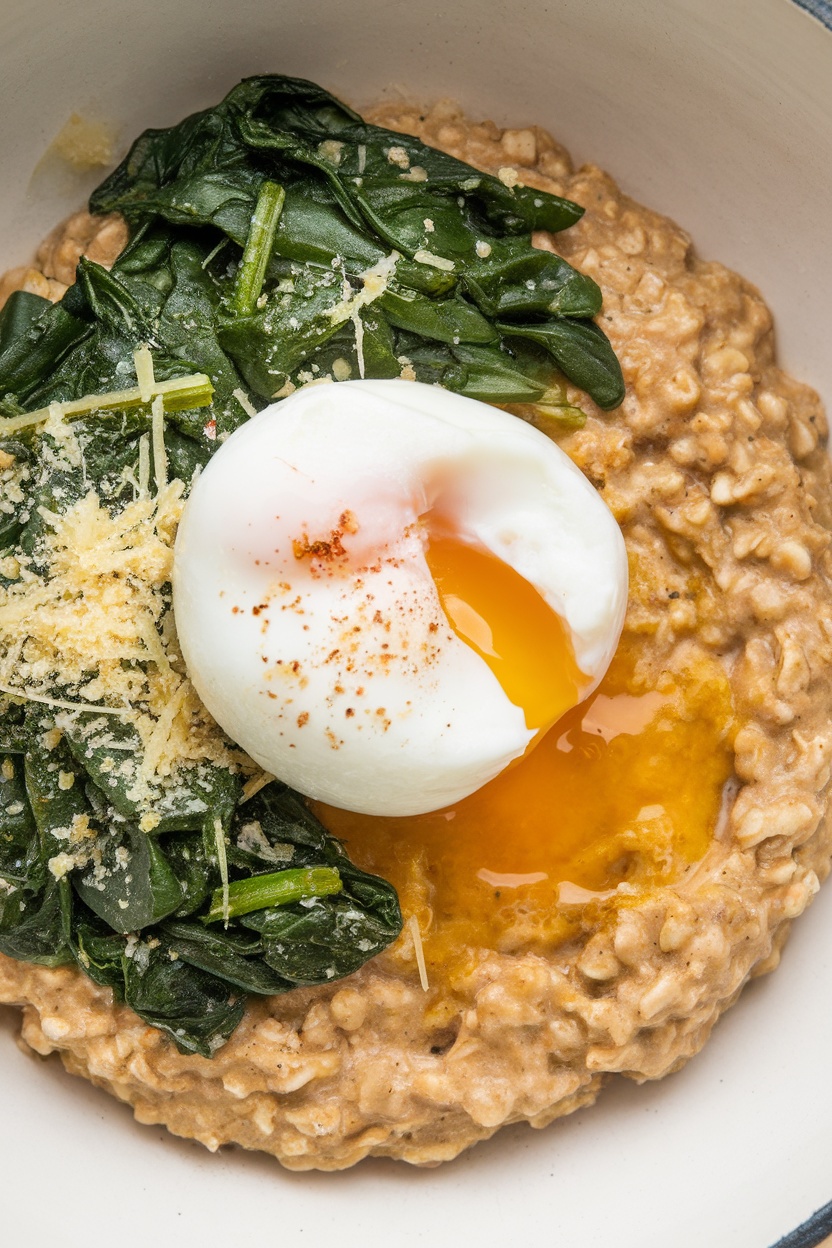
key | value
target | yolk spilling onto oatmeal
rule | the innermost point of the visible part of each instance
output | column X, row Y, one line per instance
column 501, row 616
column 625, row 789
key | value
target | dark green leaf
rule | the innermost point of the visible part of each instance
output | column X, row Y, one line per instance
column 34, row 338
column 55, row 788
column 110, row 751
column 33, row 925
column 446, row 320
column 319, row 942
column 198, row 1011
column 131, row 885
column 13, row 733
column 20, row 857
column 232, row 956
column 516, row 280
column 582, row 351
column 194, row 867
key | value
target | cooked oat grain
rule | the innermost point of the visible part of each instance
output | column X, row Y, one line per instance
column 716, row 469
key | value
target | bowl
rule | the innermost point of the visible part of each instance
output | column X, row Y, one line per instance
column 716, row 113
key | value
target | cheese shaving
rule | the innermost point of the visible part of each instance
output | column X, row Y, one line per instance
column 222, row 862
column 358, row 326
column 418, row 948
column 245, row 402
column 374, row 282
column 435, row 262
column 254, row 785
column 143, row 361
column 160, row 455
column 28, row 695
column 144, row 464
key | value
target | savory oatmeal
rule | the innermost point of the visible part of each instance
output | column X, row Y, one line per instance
column 595, row 908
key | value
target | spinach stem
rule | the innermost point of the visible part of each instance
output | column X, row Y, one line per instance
column 178, row 394
column 258, row 248
column 277, row 889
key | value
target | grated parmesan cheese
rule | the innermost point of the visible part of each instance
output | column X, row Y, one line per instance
column 95, row 627
column 332, row 151
column 435, row 262
column 398, row 156
column 508, row 176
column 252, row 839
column 374, row 281
column 61, row 864
column 341, row 369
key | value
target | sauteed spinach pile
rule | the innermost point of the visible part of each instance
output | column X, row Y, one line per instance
column 275, row 240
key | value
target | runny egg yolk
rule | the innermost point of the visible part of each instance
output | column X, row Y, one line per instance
column 621, row 796
column 509, row 624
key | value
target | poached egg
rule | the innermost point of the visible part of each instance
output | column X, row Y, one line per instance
column 386, row 593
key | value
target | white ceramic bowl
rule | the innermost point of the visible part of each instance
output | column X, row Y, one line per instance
column 718, row 112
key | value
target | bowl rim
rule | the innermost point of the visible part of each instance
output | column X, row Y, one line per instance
column 821, row 9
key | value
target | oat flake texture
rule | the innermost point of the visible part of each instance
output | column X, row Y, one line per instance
column 716, row 457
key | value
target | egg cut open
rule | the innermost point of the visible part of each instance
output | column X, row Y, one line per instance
column 386, row 593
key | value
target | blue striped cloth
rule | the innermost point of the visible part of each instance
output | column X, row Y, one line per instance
column 821, row 9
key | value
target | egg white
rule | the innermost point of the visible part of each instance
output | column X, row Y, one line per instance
column 341, row 674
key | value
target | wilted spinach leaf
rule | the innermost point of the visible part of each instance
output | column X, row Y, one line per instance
column 353, row 195
column 81, row 882
column 275, row 239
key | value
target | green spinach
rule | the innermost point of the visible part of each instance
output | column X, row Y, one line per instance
column 274, row 239
column 80, row 882
column 317, row 198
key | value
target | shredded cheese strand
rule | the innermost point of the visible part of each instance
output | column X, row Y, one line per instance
column 160, row 454
column 222, row 860
column 244, row 401
column 144, row 464
column 418, row 948
column 358, row 326
column 28, row 695
column 254, row 785
column 143, row 361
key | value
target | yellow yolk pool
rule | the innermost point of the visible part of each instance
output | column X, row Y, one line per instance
column 501, row 616
column 625, row 789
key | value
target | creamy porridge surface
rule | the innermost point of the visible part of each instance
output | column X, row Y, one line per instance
column 716, row 469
